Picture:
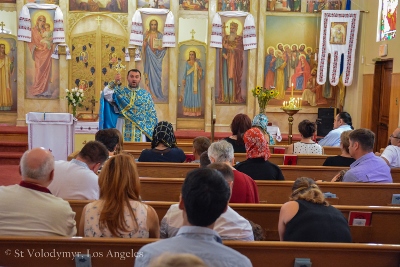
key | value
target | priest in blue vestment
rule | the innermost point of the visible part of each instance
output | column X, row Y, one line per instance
column 129, row 109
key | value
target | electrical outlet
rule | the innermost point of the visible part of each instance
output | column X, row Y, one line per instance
column 302, row 262
column 83, row 260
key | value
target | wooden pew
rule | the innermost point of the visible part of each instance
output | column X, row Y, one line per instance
column 325, row 173
column 332, row 150
column 363, row 194
column 165, row 169
column 290, row 172
column 179, row 170
column 135, row 149
column 283, row 254
column 106, row 252
column 278, row 192
column 383, row 229
column 187, row 147
column 306, row 160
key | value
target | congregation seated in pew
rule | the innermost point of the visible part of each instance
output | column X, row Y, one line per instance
column 257, row 165
column 119, row 211
column 163, row 146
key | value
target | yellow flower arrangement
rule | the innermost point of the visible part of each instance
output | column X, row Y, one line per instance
column 264, row 95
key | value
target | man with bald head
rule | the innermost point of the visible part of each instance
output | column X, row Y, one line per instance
column 29, row 208
column 391, row 154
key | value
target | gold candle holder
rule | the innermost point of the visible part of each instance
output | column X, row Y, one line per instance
column 291, row 107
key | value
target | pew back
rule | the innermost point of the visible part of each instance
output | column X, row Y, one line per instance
column 278, row 192
column 179, row 170
column 383, row 228
column 306, row 160
column 105, row 252
column 290, row 172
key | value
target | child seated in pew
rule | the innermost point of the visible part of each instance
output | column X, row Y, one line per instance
column 200, row 145
column 204, row 159
column 119, row 211
column 306, row 144
column 163, row 146
column 308, row 217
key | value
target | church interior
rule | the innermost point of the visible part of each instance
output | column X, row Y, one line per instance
column 203, row 62
column 98, row 39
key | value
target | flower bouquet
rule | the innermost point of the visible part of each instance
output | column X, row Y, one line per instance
column 75, row 98
column 264, row 95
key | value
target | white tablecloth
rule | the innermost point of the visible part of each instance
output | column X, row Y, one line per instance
column 53, row 131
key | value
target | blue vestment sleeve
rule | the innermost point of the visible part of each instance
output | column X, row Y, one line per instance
column 107, row 116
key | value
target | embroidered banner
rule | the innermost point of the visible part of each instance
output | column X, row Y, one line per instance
column 338, row 36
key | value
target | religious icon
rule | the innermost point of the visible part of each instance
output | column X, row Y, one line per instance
column 338, row 33
column 191, row 91
column 291, row 61
column 232, row 62
column 195, row 5
column 234, row 5
column 113, row 58
column 154, row 60
column 8, row 75
column 42, row 79
column 117, row 6
column 84, row 85
column 284, row 5
column 154, row 3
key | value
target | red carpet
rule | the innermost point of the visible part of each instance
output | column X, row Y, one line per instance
column 9, row 175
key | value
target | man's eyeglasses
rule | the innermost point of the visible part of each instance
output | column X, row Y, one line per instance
column 391, row 136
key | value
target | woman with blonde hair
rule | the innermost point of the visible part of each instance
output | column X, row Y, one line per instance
column 119, row 211
column 344, row 159
column 308, row 217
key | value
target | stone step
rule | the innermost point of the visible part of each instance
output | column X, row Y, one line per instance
column 9, row 146
column 10, row 158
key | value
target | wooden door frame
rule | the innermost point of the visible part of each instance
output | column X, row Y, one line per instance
column 372, row 100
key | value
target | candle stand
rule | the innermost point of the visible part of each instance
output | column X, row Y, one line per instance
column 290, row 112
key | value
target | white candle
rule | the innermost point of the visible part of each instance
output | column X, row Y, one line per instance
column 292, row 89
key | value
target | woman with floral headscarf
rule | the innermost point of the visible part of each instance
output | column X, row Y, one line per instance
column 257, row 165
column 163, row 146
